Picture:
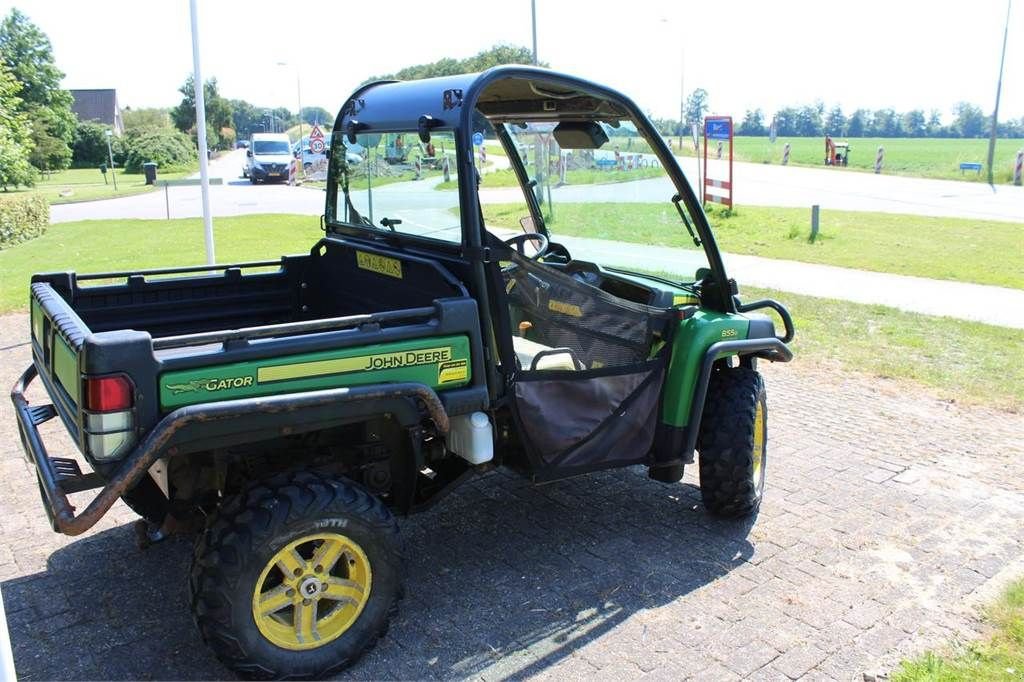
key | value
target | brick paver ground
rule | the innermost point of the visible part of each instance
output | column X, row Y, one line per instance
column 888, row 515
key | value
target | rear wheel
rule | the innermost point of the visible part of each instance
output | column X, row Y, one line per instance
column 732, row 442
column 296, row 577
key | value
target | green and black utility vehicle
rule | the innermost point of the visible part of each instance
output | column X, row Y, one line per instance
column 290, row 409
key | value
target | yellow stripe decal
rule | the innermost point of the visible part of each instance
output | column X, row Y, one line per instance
column 362, row 363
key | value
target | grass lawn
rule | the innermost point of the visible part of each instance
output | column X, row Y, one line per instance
column 1001, row 657
column 96, row 246
column 959, row 360
column 923, row 157
column 985, row 252
column 86, row 184
column 583, row 176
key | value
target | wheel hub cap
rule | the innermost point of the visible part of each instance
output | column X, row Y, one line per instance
column 311, row 591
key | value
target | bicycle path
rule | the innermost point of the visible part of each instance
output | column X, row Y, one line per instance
column 962, row 300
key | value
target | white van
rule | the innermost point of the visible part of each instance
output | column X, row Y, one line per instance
column 269, row 156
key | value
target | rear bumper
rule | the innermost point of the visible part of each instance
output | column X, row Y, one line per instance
column 60, row 477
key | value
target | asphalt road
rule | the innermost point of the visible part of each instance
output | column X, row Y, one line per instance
column 756, row 184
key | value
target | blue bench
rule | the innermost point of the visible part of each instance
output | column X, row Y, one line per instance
column 967, row 165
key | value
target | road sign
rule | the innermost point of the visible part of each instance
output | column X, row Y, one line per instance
column 316, row 134
column 718, row 128
column 478, row 139
column 316, row 146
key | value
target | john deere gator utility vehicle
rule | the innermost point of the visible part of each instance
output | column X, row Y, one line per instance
column 292, row 408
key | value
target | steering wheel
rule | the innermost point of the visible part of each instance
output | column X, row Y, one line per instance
column 519, row 242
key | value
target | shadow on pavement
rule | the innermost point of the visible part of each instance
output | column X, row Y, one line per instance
column 503, row 579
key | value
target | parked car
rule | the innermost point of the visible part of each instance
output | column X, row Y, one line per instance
column 269, row 156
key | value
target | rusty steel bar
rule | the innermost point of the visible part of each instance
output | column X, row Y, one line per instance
column 158, row 442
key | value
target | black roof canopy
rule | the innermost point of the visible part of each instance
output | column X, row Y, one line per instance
column 499, row 93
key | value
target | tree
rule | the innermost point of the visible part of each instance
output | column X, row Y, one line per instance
column 27, row 54
column 89, row 149
column 495, row 56
column 313, row 115
column 145, row 118
column 856, row 125
column 753, row 123
column 15, row 134
column 808, row 120
column 696, row 106
column 786, row 121
column 218, row 109
column 884, row 123
column 48, row 153
column 913, row 123
column 968, row 121
column 835, row 123
column 934, row 126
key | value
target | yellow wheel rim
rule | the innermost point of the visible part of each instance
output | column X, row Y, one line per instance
column 758, row 454
column 311, row 591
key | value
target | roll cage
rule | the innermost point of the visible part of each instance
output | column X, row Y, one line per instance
column 449, row 104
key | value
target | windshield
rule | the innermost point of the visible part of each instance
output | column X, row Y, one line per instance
column 393, row 182
column 603, row 184
column 270, row 147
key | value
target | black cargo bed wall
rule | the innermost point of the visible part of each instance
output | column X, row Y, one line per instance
column 338, row 285
column 189, row 304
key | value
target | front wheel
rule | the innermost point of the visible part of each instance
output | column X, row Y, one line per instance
column 296, row 577
column 732, row 442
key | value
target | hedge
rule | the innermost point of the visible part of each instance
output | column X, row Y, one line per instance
column 168, row 148
column 23, row 216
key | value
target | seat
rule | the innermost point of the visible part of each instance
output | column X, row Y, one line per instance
column 536, row 356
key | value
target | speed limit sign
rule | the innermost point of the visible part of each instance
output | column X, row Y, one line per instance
column 316, row 146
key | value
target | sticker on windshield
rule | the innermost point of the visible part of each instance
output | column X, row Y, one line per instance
column 392, row 267
column 565, row 308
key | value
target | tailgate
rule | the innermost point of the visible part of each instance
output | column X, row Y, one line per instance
column 58, row 336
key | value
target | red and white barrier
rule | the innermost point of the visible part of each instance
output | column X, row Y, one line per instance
column 879, row 159
column 1017, row 167
column 785, row 155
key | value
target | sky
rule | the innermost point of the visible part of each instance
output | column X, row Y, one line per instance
column 904, row 54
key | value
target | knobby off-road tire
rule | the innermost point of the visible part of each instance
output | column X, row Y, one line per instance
column 267, row 541
column 733, row 436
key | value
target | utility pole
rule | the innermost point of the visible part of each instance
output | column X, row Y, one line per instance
column 999, row 88
column 533, row 12
column 682, row 97
column 204, row 170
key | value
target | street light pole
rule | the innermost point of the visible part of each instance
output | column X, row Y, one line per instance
column 204, row 170
column 999, row 88
column 110, row 154
column 533, row 13
column 298, row 93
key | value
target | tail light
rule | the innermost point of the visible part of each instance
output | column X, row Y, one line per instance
column 109, row 422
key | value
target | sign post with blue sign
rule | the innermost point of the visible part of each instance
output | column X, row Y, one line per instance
column 718, row 128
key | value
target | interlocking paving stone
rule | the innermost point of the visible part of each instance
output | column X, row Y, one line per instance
column 886, row 510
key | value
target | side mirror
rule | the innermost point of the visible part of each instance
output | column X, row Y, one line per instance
column 248, row 152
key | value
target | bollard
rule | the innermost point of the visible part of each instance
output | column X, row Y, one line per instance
column 785, row 155
column 446, row 170
column 562, row 163
column 419, row 169
column 814, row 222
column 878, row 159
column 719, row 149
column 1017, row 167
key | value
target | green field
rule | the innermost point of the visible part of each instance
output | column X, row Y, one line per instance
column 583, row 176
column 923, row 157
column 86, row 184
column 999, row 657
column 984, row 252
column 959, row 360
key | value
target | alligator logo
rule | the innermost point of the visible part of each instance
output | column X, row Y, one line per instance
column 210, row 385
column 194, row 385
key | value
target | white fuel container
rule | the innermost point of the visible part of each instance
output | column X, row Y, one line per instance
column 471, row 437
